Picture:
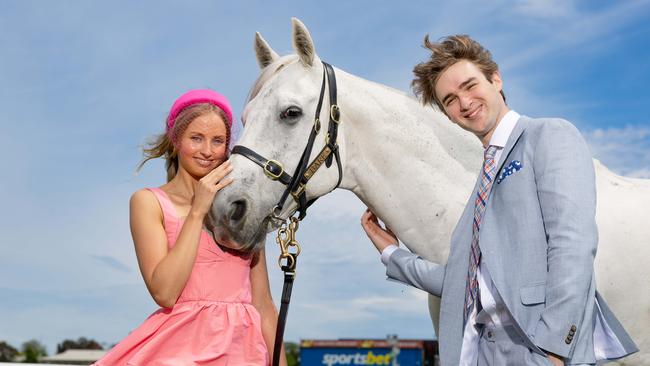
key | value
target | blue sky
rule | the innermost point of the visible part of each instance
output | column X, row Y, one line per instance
column 83, row 84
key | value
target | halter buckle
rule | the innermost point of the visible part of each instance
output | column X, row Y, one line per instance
column 271, row 168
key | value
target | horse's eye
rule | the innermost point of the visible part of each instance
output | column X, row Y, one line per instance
column 291, row 113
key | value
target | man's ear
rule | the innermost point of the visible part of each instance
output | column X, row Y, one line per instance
column 496, row 80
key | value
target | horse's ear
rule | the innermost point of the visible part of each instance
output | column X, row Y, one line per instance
column 264, row 53
column 302, row 43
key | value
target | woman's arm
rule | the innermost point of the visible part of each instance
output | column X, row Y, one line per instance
column 165, row 271
column 263, row 302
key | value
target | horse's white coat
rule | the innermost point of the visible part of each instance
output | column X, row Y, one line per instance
column 415, row 169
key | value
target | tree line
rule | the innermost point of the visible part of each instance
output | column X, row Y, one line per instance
column 32, row 351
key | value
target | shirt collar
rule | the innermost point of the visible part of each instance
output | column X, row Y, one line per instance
column 504, row 129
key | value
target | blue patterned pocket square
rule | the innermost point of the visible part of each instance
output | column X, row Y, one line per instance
column 513, row 167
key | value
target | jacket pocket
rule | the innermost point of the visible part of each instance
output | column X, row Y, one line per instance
column 533, row 294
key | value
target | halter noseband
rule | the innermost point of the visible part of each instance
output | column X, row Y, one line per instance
column 296, row 184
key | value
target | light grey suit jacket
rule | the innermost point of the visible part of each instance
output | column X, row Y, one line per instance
column 538, row 238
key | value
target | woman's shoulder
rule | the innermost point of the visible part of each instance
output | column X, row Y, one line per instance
column 144, row 200
column 143, row 195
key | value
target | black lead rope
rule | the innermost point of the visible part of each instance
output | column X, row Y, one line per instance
column 289, row 276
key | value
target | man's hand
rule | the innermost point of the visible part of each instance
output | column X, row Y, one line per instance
column 556, row 360
column 379, row 236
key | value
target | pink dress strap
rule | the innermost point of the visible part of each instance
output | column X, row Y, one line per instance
column 170, row 215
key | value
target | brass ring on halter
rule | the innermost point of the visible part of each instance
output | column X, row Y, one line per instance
column 317, row 125
column 335, row 113
column 275, row 215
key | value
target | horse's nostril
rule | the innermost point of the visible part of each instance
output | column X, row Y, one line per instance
column 237, row 210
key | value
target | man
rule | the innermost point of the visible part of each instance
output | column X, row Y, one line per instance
column 518, row 287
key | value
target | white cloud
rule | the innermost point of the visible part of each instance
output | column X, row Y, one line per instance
column 624, row 150
column 522, row 34
column 338, row 205
column 639, row 173
column 409, row 301
column 104, row 314
column 545, row 8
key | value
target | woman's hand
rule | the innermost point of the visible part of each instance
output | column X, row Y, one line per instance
column 379, row 236
column 208, row 186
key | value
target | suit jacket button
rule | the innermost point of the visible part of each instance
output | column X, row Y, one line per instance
column 573, row 328
column 567, row 340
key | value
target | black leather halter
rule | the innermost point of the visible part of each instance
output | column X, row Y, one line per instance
column 296, row 184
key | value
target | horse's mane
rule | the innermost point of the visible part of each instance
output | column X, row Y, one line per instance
column 268, row 72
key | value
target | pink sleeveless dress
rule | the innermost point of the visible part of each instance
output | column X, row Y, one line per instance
column 213, row 321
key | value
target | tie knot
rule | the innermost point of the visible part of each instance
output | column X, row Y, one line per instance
column 490, row 152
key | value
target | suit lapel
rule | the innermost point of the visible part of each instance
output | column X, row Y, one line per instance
column 519, row 128
column 487, row 246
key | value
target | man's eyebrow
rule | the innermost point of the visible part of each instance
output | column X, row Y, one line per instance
column 464, row 83
column 462, row 86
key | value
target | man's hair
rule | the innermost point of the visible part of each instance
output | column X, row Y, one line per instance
column 444, row 54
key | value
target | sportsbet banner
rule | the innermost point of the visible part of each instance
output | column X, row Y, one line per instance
column 347, row 356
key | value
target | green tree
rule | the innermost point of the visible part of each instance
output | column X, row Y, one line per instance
column 33, row 351
column 7, row 352
column 81, row 343
column 293, row 353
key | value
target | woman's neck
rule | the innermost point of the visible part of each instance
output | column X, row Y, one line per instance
column 183, row 184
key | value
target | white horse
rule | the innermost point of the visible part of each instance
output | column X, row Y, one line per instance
column 413, row 168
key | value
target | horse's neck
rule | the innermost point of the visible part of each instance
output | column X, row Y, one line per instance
column 409, row 164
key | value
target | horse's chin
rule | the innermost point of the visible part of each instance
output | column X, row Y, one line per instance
column 241, row 240
column 229, row 243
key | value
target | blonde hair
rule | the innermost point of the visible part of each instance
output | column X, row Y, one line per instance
column 164, row 145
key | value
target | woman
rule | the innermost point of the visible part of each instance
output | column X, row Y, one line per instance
column 216, row 306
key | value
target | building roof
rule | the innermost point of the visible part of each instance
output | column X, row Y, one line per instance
column 76, row 355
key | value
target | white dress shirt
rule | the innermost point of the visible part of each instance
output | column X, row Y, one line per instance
column 494, row 312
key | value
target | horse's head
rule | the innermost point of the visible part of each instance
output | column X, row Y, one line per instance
column 278, row 121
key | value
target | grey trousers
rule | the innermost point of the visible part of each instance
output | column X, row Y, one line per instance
column 504, row 347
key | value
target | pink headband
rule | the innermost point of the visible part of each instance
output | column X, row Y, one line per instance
column 195, row 97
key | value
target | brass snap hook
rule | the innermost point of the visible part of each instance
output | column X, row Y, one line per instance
column 286, row 238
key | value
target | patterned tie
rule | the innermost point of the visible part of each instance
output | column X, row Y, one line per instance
column 471, row 289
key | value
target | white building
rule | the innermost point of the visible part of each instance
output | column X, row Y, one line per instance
column 74, row 357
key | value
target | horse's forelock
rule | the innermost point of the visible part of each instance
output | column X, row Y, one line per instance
column 268, row 72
